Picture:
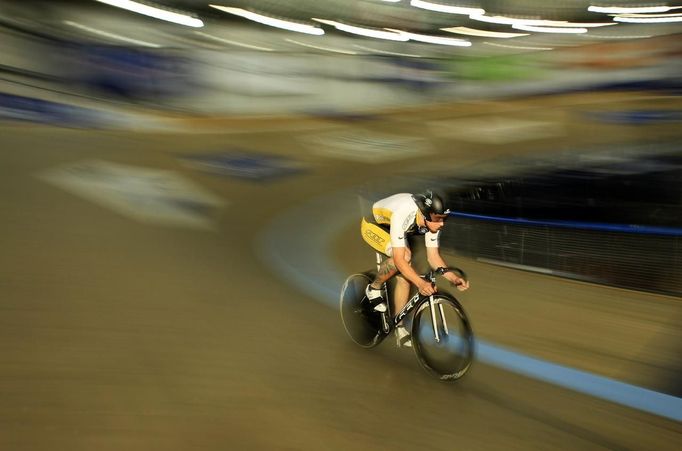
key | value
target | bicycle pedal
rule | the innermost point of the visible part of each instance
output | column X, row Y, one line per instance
column 381, row 307
column 403, row 338
column 404, row 342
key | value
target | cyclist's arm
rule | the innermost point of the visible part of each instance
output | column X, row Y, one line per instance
column 406, row 269
column 434, row 258
column 436, row 261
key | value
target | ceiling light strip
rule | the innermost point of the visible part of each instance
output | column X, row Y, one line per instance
column 446, row 8
column 433, row 39
column 648, row 19
column 647, row 15
column 594, row 36
column 361, row 31
column 488, row 34
column 510, row 20
column 549, row 29
column 630, row 9
column 157, row 13
column 503, row 20
column 271, row 21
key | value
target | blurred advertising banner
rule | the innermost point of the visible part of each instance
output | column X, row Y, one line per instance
column 130, row 72
column 21, row 108
column 148, row 195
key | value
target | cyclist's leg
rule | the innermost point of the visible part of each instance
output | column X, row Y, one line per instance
column 387, row 269
column 400, row 297
column 401, row 293
column 379, row 239
column 402, row 288
column 374, row 291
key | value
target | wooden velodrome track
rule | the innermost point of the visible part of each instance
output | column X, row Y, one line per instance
column 117, row 333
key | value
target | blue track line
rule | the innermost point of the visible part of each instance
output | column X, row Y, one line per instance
column 625, row 228
column 298, row 245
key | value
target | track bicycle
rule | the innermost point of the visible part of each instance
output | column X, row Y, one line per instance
column 442, row 337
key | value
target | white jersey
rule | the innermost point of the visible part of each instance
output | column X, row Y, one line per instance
column 400, row 211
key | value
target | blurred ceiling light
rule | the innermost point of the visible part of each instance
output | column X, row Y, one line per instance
column 489, row 34
column 549, row 29
column 386, row 52
column 369, row 32
column 110, row 35
column 510, row 20
column 433, row 39
column 157, row 13
column 235, row 43
column 580, row 24
column 328, row 49
column 516, row 46
column 594, row 36
column 631, row 18
column 539, row 22
column 446, row 8
column 630, row 9
column 271, row 21
column 647, row 15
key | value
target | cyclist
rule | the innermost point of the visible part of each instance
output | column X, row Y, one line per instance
column 405, row 214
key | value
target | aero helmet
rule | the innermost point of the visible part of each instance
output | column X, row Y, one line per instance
column 428, row 203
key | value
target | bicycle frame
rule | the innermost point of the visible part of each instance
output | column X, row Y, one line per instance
column 368, row 326
column 411, row 304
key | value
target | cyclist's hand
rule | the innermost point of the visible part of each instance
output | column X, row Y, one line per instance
column 464, row 285
column 461, row 284
column 426, row 288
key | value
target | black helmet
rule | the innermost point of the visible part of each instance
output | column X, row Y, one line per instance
column 428, row 203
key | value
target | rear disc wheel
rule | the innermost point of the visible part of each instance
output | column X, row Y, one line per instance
column 362, row 324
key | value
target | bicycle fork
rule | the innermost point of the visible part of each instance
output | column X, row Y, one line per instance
column 434, row 322
column 441, row 314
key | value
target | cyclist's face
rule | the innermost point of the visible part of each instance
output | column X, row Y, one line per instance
column 436, row 223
